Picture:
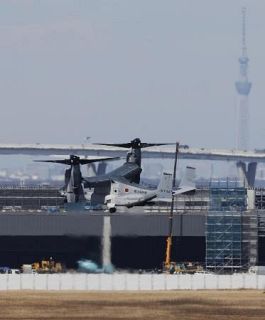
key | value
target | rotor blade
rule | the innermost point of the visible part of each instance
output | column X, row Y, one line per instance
column 86, row 161
column 130, row 144
column 79, row 161
column 121, row 145
column 146, row 145
column 63, row 161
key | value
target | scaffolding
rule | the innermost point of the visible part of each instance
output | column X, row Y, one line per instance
column 231, row 231
column 224, row 241
column 250, row 234
column 228, row 199
column 260, row 199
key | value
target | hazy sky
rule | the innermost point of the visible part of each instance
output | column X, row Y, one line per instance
column 114, row 70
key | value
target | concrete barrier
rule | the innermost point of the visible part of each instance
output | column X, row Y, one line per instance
column 130, row 282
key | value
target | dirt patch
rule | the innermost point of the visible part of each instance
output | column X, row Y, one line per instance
column 185, row 305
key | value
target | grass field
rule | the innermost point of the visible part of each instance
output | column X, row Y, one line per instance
column 242, row 304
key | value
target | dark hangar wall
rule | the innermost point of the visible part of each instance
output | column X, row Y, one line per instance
column 80, row 224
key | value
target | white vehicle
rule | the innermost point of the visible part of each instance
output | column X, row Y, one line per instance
column 127, row 194
column 14, row 271
column 27, row 268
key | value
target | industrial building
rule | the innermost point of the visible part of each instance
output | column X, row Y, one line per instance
column 29, row 198
column 223, row 229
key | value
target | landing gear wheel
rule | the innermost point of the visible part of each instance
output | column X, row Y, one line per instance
column 112, row 210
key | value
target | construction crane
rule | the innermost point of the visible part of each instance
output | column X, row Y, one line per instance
column 167, row 265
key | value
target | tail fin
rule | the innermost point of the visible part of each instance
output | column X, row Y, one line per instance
column 164, row 189
column 188, row 181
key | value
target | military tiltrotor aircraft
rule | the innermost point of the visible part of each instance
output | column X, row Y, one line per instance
column 126, row 194
column 130, row 171
column 127, row 174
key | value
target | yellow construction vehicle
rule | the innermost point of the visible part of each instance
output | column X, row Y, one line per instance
column 193, row 267
column 48, row 266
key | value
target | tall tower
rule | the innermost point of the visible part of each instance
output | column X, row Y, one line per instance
column 243, row 87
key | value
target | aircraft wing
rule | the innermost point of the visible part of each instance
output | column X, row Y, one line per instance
column 121, row 180
column 91, row 182
column 126, row 171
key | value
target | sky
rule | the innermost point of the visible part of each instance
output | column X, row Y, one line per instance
column 114, row 70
